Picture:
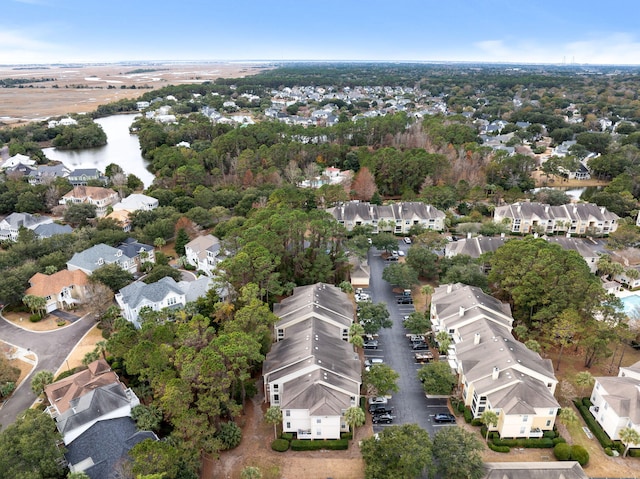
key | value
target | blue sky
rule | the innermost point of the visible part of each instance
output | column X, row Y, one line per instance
column 540, row 31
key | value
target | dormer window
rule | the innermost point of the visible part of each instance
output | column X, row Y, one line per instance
column 100, row 261
column 118, row 254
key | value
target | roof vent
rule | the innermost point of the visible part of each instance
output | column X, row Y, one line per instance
column 495, row 373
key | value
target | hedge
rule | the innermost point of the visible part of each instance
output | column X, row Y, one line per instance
column 608, row 451
column 331, row 444
column 346, row 435
column 468, row 417
column 550, row 434
column 634, row 452
column 542, row 443
column 495, row 448
column 280, row 445
column 587, row 402
column 558, row 440
column 597, row 431
column 476, row 422
column 288, row 436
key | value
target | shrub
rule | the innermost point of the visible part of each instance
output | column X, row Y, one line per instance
column 477, row 422
column 562, row 451
column 580, row 454
column 468, row 417
column 587, row 402
column 558, row 440
column 608, row 451
column 331, row 444
column 288, row 436
column 7, row 388
column 34, row 318
column 550, row 434
column 230, row 434
column 280, row 445
column 461, row 407
column 597, row 431
column 618, row 446
column 483, row 430
column 634, row 452
column 542, row 443
column 250, row 389
column 495, row 448
column 346, row 435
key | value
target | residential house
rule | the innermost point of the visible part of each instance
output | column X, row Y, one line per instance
column 583, row 246
column 60, row 290
column 101, row 198
column 534, row 470
column 165, row 293
column 495, row 371
column 629, row 258
column 396, row 218
column 360, row 273
column 122, row 218
column 45, row 174
column 575, row 218
column 136, row 202
column 82, row 176
column 10, row 226
column 138, row 252
column 47, row 230
column 616, row 401
column 312, row 373
column 103, row 449
column 203, row 252
column 17, row 160
column 79, row 401
column 97, row 256
column 474, row 246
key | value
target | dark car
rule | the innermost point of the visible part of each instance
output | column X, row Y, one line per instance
column 373, row 344
column 444, row 417
column 419, row 346
column 376, row 409
column 405, row 300
column 384, row 418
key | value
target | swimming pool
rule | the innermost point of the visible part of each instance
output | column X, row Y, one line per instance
column 632, row 306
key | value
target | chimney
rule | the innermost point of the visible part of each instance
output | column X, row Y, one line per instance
column 476, row 339
column 502, row 235
column 469, row 235
column 546, row 208
column 461, row 311
column 495, row 373
column 602, row 209
column 449, row 288
column 568, row 235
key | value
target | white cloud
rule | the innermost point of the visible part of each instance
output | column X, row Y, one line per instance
column 20, row 47
column 610, row 48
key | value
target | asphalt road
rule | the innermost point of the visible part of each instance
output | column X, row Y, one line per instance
column 410, row 403
column 51, row 349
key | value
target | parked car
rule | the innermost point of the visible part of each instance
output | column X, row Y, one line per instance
column 444, row 417
column 384, row 418
column 376, row 409
column 372, row 362
column 400, row 253
column 405, row 300
column 373, row 344
column 418, row 346
column 416, row 338
column 378, row 400
column 407, row 240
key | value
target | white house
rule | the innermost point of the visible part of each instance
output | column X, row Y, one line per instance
column 10, row 226
column 312, row 373
column 203, row 252
column 616, row 401
column 101, row 198
column 136, row 202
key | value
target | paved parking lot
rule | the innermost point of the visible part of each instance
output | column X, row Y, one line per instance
column 410, row 403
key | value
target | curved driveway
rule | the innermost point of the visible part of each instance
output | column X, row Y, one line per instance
column 51, row 349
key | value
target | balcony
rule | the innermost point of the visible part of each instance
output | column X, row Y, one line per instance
column 304, row 434
column 535, row 433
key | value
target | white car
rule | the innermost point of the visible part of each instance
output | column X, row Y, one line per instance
column 372, row 362
column 378, row 400
column 401, row 253
column 407, row 240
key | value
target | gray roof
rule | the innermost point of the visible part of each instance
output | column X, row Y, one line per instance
column 131, row 248
column 576, row 211
column 85, row 172
column 363, row 211
column 89, row 259
column 622, row 395
column 449, row 298
column 51, row 171
column 584, row 247
column 195, row 289
column 474, row 247
column 26, row 220
column 91, row 406
column 534, row 470
column 310, row 392
column 137, row 292
column 48, row 230
column 106, row 444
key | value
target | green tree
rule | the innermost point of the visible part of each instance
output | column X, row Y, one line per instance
column 182, row 238
column 584, row 379
column 79, row 475
column 444, row 341
column 490, row 419
column 354, row 417
column 112, row 276
column 251, row 472
column 79, row 214
column 355, row 335
column 533, row 345
column 437, row 378
column 456, row 453
column 380, row 380
column 163, row 457
column 147, row 418
column 418, row 323
column 384, row 241
column 565, row 330
column 423, row 261
column 36, row 304
column 398, row 452
column 273, row 416
column 41, row 380
column 373, row 317
column 567, row 416
column 400, row 274
column 28, row 448
column 629, row 437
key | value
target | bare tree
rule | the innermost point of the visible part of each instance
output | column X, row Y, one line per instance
column 364, row 185
column 98, row 297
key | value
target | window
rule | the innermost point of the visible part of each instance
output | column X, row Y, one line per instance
column 548, row 422
column 525, row 418
column 276, row 387
column 276, row 398
column 171, row 301
column 318, row 432
column 522, row 430
column 318, row 421
column 552, row 412
column 288, row 425
column 287, row 413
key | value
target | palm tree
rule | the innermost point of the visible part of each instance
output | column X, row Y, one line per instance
column 629, row 436
column 584, row 379
column 490, row 419
column 355, row 335
column 444, row 341
column 567, row 416
column 40, row 381
column 354, row 417
column 273, row 416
